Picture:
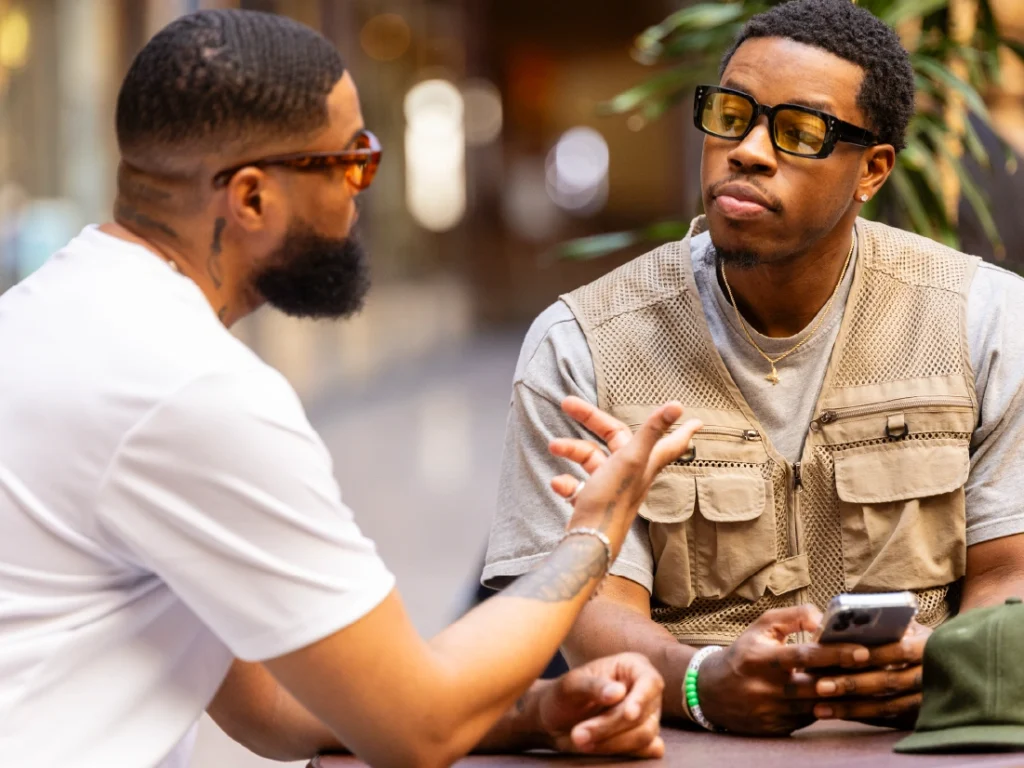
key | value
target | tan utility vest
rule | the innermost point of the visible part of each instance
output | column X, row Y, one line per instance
column 876, row 502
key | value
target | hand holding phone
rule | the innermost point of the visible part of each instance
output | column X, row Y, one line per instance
column 887, row 691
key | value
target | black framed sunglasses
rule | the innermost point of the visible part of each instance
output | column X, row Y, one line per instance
column 360, row 162
column 795, row 130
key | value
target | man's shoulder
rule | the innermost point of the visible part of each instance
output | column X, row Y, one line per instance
column 913, row 258
column 554, row 334
column 994, row 280
column 995, row 301
column 649, row 278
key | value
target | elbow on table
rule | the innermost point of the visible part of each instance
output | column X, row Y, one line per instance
column 424, row 755
column 437, row 743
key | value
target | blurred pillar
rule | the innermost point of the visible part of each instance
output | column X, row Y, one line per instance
column 88, row 72
column 963, row 21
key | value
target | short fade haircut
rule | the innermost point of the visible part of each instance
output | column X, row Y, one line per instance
column 223, row 77
column 838, row 26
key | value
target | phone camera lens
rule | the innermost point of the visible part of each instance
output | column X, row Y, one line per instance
column 842, row 622
column 860, row 618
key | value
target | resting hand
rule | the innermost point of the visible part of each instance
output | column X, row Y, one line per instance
column 607, row 706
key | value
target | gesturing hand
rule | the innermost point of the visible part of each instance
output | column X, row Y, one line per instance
column 608, row 706
column 619, row 482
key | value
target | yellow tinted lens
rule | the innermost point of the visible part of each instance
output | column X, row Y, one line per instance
column 726, row 114
column 799, row 132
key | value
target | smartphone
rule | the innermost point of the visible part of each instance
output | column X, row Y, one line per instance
column 869, row 619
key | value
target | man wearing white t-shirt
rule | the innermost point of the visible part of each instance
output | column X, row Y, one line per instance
column 172, row 539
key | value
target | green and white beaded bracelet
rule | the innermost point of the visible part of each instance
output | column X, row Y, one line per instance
column 691, row 700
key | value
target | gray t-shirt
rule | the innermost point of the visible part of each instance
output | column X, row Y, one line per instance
column 555, row 362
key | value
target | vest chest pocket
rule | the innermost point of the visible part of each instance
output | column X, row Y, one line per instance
column 903, row 513
column 726, row 548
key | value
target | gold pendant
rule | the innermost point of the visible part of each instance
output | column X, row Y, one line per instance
column 773, row 377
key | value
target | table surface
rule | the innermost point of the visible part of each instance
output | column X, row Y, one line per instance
column 823, row 745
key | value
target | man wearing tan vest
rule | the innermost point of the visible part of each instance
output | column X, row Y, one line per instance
column 859, row 388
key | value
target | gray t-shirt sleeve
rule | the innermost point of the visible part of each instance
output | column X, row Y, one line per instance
column 995, row 488
column 530, row 518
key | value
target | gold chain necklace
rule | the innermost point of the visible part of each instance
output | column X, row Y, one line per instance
column 773, row 377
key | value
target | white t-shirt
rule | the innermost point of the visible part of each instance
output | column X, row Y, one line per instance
column 165, row 507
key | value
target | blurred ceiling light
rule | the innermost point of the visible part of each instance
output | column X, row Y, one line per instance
column 14, row 39
column 385, row 37
column 577, row 171
column 526, row 209
column 435, row 155
column 483, row 111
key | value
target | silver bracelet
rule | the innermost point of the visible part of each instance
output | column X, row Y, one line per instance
column 691, row 704
column 599, row 535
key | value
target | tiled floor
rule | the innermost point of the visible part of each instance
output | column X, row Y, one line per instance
column 417, row 456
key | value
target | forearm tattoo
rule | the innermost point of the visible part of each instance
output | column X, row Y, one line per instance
column 563, row 575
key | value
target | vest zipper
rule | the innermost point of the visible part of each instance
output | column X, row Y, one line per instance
column 801, row 595
column 733, row 432
column 834, row 414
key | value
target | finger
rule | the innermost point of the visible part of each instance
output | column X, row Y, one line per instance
column 645, row 692
column 801, row 686
column 565, row 485
column 581, row 688
column 909, row 650
column 675, row 444
column 613, row 432
column 652, row 430
column 880, row 682
column 623, row 717
column 869, row 709
column 587, row 454
column 633, row 740
column 815, row 656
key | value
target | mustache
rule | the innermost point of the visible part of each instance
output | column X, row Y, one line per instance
column 750, row 181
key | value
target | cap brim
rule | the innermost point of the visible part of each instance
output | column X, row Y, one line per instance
column 966, row 738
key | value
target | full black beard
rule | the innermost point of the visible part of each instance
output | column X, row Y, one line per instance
column 315, row 276
column 737, row 259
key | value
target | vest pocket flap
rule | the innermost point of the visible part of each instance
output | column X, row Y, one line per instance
column 670, row 499
column 878, row 474
column 789, row 575
column 731, row 498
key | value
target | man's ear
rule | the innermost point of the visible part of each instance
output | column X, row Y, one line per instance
column 877, row 164
column 245, row 198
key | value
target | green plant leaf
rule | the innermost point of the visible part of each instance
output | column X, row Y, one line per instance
column 629, row 100
column 974, row 147
column 907, row 198
column 931, row 179
column 696, row 17
column 968, row 188
column 596, row 246
column 654, row 109
column 709, row 44
column 936, row 71
column 904, row 10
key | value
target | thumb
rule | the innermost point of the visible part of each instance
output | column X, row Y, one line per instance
column 783, row 622
column 589, row 689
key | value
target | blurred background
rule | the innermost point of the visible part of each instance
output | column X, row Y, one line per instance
column 495, row 153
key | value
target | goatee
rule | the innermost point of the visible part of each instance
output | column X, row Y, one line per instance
column 740, row 259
